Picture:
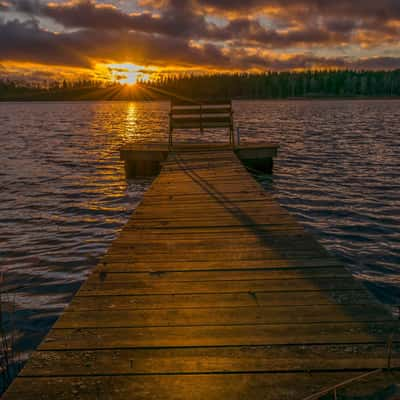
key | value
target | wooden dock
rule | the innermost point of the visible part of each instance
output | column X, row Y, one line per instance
column 213, row 291
column 146, row 159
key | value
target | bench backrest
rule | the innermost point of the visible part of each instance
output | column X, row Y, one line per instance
column 185, row 115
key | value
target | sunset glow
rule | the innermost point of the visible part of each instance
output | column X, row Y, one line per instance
column 128, row 73
column 126, row 41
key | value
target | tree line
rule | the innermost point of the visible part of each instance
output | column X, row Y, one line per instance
column 283, row 85
column 53, row 90
column 268, row 85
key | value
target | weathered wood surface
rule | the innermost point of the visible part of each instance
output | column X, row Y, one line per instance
column 212, row 291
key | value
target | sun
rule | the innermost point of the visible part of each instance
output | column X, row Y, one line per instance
column 129, row 74
column 131, row 78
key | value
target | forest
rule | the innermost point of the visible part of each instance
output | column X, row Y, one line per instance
column 268, row 85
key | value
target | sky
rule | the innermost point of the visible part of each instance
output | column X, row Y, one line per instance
column 125, row 40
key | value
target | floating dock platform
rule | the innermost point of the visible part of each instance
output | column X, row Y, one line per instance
column 146, row 159
column 213, row 291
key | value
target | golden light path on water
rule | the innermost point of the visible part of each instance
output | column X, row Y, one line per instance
column 131, row 132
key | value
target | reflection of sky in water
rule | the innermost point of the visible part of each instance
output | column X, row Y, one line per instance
column 63, row 194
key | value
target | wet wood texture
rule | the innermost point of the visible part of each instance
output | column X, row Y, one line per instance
column 213, row 291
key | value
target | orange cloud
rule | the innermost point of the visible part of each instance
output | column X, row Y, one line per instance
column 190, row 35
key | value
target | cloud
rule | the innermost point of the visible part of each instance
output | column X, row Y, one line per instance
column 26, row 41
column 203, row 34
column 4, row 6
column 175, row 19
column 384, row 9
column 245, row 31
column 311, row 22
column 376, row 63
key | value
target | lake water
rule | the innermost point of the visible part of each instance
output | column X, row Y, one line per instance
column 64, row 197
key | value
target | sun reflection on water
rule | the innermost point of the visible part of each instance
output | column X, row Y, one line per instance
column 131, row 133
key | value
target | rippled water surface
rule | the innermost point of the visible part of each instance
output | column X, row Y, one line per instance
column 63, row 195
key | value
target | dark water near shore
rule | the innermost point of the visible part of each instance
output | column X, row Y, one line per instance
column 63, row 196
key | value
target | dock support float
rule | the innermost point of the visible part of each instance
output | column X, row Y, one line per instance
column 146, row 159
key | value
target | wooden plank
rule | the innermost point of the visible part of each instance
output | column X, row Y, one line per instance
column 256, row 315
column 234, row 252
column 219, row 335
column 209, row 116
column 216, row 210
column 252, row 243
column 155, row 237
column 190, row 224
column 158, row 266
column 244, row 257
column 218, row 192
column 261, row 246
column 184, row 102
column 224, row 234
column 210, row 230
column 227, row 275
column 205, row 123
column 210, row 360
column 199, row 198
column 262, row 386
column 244, row 238
column 271, row 285
column 212, row 233
column 228, row 214
column 214, row 300
column 198, row 111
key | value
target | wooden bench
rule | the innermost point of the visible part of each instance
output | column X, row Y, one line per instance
column 201, row 115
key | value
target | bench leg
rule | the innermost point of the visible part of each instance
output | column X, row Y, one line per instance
column 231, row 137
column 170, row 138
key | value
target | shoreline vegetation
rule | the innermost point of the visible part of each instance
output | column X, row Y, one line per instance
column 242, row 86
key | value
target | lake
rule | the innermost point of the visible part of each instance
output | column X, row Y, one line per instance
column 64, row 196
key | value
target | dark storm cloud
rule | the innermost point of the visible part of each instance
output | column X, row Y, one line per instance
column 319, row 22
column 247, row 30
column 375, row 9
column 294, row 62
column 27, row 6
column 385, row 9
column 337, row 16
column 26, row 41
column 341, row 25
column 375, row 63
column 175, row 20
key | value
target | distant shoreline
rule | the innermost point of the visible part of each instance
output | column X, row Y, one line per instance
column 275, row 86
column 310, row 98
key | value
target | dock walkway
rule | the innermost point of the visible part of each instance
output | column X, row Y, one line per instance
column 212, row 291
